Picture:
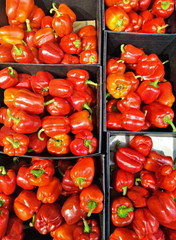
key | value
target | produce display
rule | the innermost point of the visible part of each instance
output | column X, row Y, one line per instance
column 138, row 16
column 142, row 189
column 138, row 95
column 57, row 199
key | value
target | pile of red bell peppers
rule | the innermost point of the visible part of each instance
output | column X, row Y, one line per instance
column 139, row 16
column 144, row 180
column 42, row 112
column 59, row 198
column 34, row 37
column 138, row 95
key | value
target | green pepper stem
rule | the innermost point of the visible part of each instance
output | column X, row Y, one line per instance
column 86, row 106
column 168, row 120
column 165, row 5
column 1, row 202
column 91, row 205
column 119, row 22
column 122, row 48
column 165, row 62
column 16, row 160
column 28, row 26
column 15, row 144
column 124, row 190
column 174, row 199
column 87, row 228
column 39, row 134
column 31, row 224
column 57, row 143
column 3, row 170
column 155, row 83
column 77, row 43
column 54, row 9
column 48, row 102
column 16, row 120
column 91, row 83
column 61, row 173
column 80, row 181
column 123, row 211
column 137, row 181
column 30, row 150
column 159, row 28
column 37, row 172
column 91, row 59
column 11, row 72
column 18, row 50
column 120, row 61
column 87, row 143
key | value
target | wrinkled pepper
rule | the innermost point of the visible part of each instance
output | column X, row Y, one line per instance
column 138, row 195
column 142, row 144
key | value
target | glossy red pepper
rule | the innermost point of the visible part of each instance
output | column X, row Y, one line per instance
column 138, row 195
column 5, row 54
column 4, row 131
column 127, row 6
column 6, row 201
column 135, row 20
column 147, row 180
column 24, row 81
column 87, row 31
column 115, row 65
column 35, row 144
column 4, row 218
column 111, row 106
column 22, row 53
column 11, row 34
column 89, row 43
column 133, row 119
column 88, row 57
column 166, row 96
column 146, row 15
column 58, row 106
column 161, row 8
column 142, row 144
column 131, row 101
column 155, row 26
column 64, row 232
column 46, row 21
column 65, row 9
column 114, row 121
column 8, row 77
column 123, row 234
column 43, row 36
column 22, row 180
column 59, row 144
column 130, row 53
column 70, row 59
column 142, row 5
column 71, row 43
column 59, row 87
column 36, row 16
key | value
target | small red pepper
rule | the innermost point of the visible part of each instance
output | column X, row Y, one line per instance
column 4, row 131
column 70, row 59
column 36, row 16
column 22, row 180
column 142, row 144
column 60, row 88
column 111, row 106
column 5, row 53
column 43, row 36
column 135, row 20
column 142, row 5
column 22, row 53
column 8, row 77
column 164, row 9
column 58, row 106
column 63, row 232
column 115, row 65
column 65, row 9
column 146, row 15
column 138, row 195
column 89, row 43
column 88, row 57
column 71, row 43
column 87, row 31
column 59, row 144
column 147, row 180
column 127, row 6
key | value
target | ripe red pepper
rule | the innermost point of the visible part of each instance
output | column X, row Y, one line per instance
column 159, row 235
column 8, row 77
column 88, row 57
column 50, row 192
column 91, row 199
column 59, row 144
column 111, row 106
column 58, row 106
column 147, row 180
column 123, row 234
column 87, row 229
column 142, row 5
column 71, row 43
column 35, row 144
column 114, row 121
column 138, row 195
column 15, row 144
column 26, row 204
column 43, row 36
column 5, row 53
column 24, row 99
column 22, row 180
column 4, row 131
column 155, row 160
column 135, row 20
column 144, row 222
column 65, row 9
column 164, row 9
column 130, row 101
column 22, row 53
column 166, row 96
column 4, row 218
column 40, row 173
column 130, row 53
column 87, row 31
column 82, row 173
column 6, row 201
column 146, row 15
column 22, row 122
column 89, row 43
column 36, row 16
column 3, row 114
column 11, row 34
column 156, row 26
column 163, row 207
column 122, row 211
column 134, row 79
column 123, row 181
column 80, row 121
column 46, row 21
column 71, row 210
column 64, row 232
column 24, row 81
column 70, row 59
column 127, row 6
column 60, row 88
column 48, row 218
column 84, row 143
column 50, row 53
column 54, row 125
column 133, row 119
column 160, row 115
column 142, row 144
column 129, row 159
column 115, row 65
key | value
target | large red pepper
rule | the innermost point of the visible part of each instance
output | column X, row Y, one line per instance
column 130, row 53
column 87, row 229
column 144, row 222
column 84, row 143
column 48, row 218
column 161, row 8
column 155, row 160
column 131, row 100
column 26, row 204
column 40, row 173
column 159, row 115
column 123, row 181
column 166, row 96
column 115, row 65
column 35, row 144
column 59, row 144
column 142, row 144
column 50, row 193
column 6, row 201
column 22, row 180
column 11, row 34
column 60, row 88
column 147, row 180
column 22, row 53
column 71, row 210
column 122, row 211
column 163, row 207
column 155, row 26
column 71, row 43
column 22, row 122
column 82, row 173
column 7, row 181
column 91, row 199
column 114, row 121
column 63, row 232
column 129, row 159
column 24, row 99
column 123, row 234
column 4, row 218
column 8, row 77
column 138, row 195
column 58, row 106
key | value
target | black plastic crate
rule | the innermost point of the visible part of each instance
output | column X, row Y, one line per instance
column 164, row 46
column 60, row 72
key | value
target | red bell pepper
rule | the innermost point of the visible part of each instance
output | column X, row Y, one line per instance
column 58, row 106
column 71, row 43
column 61, row 22
column 87, row 31
column 134, row 79
column 122, row 212
column 87, row 229
column 91, row 199
column 43, row 36
column 89, row 43
column 155, row 160
column 70, row 59
column 11, row 34
column 5, row 53
column 22, row 180
column 60, row 88
column 35, row 144
column 166, row 96
column 59, row 144
column 130, row 53
column 123, row 234
column 147, row 180
column 48, row 218
column 160, row 115
column 135, row 20
column 142, row 144
column 4, row 218
column 6, row 201
column 80, row 121
column 138, row 195
column 127, row 6
column 71, row 210
column 115, row 65
column 24, row 81
column 82, row 173
column 84, row 143
column 65, row 9
column 22, row 53
column 144, row 222
column 142, row 5
column 24, row 99
column 14, row 229
column 123, row 181
column 159, row 235
column 51, row 53
column 36, row 16
column 114, row 121
column 46, row 21
column 129, row 159
column 146, row 15
column 163, row 207
column 40, row 173
column 50, row 193
column 111, row 105
column 63, row 232
column 40, row 82
column 8, row 77
column 54, row 125
column 164, row 9
column 4, row 131
column 156, row 26
column 15, row 144
column 22, row 122
column 88, row 57
column 133, row 119
column 26, row 204
column 131, row 101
